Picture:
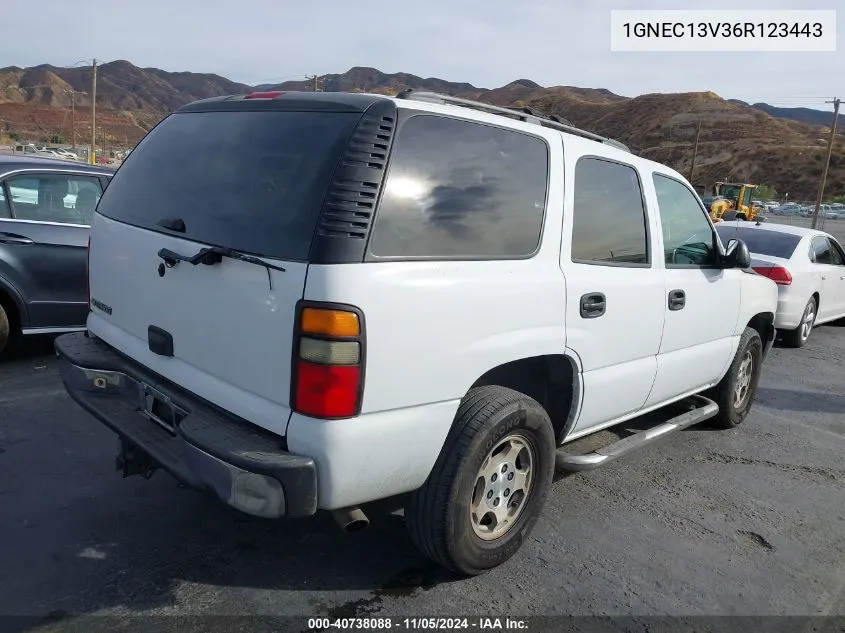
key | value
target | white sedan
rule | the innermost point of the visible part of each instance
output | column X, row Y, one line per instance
column 807, row 265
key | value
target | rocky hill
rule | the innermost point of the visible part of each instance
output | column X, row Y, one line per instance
column 782, row 147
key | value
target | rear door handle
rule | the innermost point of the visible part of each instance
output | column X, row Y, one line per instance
column 677, row 299
column 593, row 304
column 12, row 238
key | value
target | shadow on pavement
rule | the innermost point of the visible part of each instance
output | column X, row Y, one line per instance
column 82, row 540
column 29, row 347
column 75, row 538
column 807, row 401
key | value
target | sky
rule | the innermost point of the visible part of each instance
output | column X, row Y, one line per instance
column 488, row 44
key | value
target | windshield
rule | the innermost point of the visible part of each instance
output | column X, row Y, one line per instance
column 251, row 181
column 761, row 241
column 731, row 192
column 746, row 199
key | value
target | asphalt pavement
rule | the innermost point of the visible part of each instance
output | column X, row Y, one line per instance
column 705, row 521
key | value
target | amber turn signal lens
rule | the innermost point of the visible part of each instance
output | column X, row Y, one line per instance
column 330, row 322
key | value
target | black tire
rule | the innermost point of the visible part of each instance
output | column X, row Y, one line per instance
column 438, row 514
column 797, row 338
column 5, row 329
column 732, row 413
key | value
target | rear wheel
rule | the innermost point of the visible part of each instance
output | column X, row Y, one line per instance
column 5, row 329
column 736, row 392
column 489, row 483
column 798, row 337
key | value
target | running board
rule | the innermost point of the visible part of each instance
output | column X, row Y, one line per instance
column 704, row 409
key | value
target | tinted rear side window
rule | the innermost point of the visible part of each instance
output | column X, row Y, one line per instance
column 761, row 241
column 252, row 181
column 609, row 221
column 458, row 189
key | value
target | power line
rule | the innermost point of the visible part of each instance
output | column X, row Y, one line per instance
column 92, row 154
column 316, row 82
column 73, row 94
column 835, row 103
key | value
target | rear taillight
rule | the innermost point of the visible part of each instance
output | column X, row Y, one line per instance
column 328, row 362
column 778, row 274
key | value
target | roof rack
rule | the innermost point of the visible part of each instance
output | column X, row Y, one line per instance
column 526, row 114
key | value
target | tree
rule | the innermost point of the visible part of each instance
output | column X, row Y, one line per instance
column 765, row 192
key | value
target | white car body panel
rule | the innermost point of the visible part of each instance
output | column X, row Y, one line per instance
column 825, row 282
column 433, row 328
column 243, row 369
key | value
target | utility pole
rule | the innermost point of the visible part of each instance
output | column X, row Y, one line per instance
column 92, row 158
column 694, row 152
column 835, row 103
column 73, row 94
column 315, row 85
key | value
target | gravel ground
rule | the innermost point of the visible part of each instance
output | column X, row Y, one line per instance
column 739, row 522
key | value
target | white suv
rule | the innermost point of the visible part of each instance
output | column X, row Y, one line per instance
column 311, row 301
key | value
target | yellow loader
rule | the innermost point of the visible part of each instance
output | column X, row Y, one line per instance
column 731, row 201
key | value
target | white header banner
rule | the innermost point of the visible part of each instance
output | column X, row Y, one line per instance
column 723, row 31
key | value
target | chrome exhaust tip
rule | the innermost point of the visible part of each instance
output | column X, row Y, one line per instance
column 351, row 519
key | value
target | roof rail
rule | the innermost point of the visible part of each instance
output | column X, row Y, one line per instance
column 526, row 114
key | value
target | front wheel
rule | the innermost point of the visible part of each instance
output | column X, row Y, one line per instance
column 489, row 483
column 735, row 393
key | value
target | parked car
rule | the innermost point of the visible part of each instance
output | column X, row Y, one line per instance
column 28, row 149
column 807, row 265
column 46, row 206
column 789, row 208
column 312, row 301
column 66, row 153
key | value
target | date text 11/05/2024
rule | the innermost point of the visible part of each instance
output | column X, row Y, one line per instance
column 722, row 29
column 422, row 623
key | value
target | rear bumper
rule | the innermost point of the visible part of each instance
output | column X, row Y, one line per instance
column 247, row 468
column 790, row 310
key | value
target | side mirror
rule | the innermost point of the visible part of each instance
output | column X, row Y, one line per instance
column 737, row 254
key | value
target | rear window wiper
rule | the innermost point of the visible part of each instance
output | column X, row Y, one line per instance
column 214, row 255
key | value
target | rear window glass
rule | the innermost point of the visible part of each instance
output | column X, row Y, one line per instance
column 252, row 181
column 761, row 241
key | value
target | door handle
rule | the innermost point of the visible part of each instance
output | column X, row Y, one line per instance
column 11, row 238
column 593, row 304
column 677, row 299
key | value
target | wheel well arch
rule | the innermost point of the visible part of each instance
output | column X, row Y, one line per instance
column 553, row 380
column 13, row 307
column 763, row 323
column 818, row 299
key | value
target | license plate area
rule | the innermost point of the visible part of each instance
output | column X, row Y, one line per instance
column 159, row 408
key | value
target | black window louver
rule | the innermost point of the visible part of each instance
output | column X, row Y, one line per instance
column 350, row 202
